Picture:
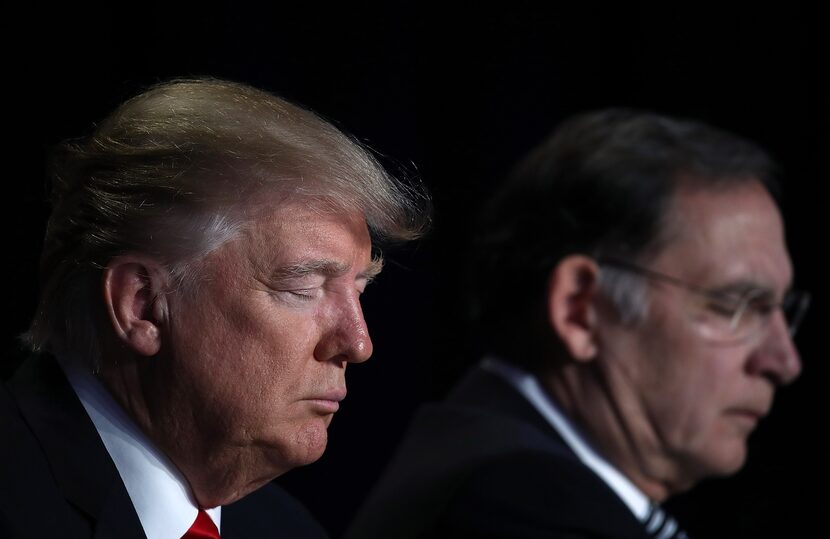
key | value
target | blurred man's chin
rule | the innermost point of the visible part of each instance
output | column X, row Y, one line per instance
column 737, row 461
column 727, row 460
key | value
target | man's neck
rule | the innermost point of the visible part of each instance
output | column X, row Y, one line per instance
column 529, row 387
column 615, row 425
column 216, row 474
column 159, row 492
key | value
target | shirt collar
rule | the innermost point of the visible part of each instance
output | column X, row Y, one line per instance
column 528, row 385
column 159, row 492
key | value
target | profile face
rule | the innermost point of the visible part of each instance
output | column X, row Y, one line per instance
column 262, row 342
column 692, row 402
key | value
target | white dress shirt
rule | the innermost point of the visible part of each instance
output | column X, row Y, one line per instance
column 160, row 494
column 527, row 384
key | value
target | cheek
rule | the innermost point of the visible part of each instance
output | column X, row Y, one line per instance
column 681, row 383
column 243, row 353
column 259, row 333
column 700, row 430
column 268, row 359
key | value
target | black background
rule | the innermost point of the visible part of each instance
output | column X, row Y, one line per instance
column 454, row 96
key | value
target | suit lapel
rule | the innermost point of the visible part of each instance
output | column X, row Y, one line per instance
column 79, row 462
column 483, row 390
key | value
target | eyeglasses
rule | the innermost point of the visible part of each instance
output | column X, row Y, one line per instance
column 729, row 316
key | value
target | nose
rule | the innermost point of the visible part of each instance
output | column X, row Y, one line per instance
column 347, row 337
column 776, row 357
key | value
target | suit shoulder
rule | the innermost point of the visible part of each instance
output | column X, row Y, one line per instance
column 269, row 512
column 533, row 494
column 27, row 487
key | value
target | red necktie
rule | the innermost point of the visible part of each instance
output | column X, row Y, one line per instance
column 202, row 528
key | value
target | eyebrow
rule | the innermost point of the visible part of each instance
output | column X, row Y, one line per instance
column 328, row 268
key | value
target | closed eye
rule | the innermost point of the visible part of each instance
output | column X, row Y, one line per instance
column 297, row 295
column 725, row 303
column 308, row 293
column 763, row 306
column 723, row 307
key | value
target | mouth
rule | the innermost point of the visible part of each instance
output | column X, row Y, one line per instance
column 327, row 402
column 750, row 417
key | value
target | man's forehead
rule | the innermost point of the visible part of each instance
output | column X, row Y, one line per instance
column 726, row 234
column 303, row 238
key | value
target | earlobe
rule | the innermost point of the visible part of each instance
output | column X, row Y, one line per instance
column 132, row 288
column 572, row 289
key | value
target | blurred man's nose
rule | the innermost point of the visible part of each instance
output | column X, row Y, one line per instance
column 775, row 355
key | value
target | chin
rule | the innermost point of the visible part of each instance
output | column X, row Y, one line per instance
column 728, row 459
column 719, row 460
column 310, row 442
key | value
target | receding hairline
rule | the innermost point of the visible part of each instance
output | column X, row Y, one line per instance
column 671, row 221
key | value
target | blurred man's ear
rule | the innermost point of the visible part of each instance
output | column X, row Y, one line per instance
column 572, row 288
column 133, row 289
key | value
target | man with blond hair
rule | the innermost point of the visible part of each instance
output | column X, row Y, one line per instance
column 201, row 281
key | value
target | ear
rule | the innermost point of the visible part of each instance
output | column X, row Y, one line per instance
column 133, row 288
column 572, row 289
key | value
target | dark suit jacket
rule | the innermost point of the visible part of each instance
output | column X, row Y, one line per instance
column 58, row 480
column 485, row 464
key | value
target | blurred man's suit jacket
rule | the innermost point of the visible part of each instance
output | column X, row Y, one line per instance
column 486, row 464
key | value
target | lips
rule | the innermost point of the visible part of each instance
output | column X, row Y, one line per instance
column 752, row 414
column 337, row 394
column 756, row 408
column 328, row 401
column 749, row 415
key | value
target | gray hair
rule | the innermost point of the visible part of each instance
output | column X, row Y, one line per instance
column 627, row 292
column 175, row 172
column 602, row 186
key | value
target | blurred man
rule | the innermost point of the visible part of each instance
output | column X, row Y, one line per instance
column 635, row 299
column 201, row 282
